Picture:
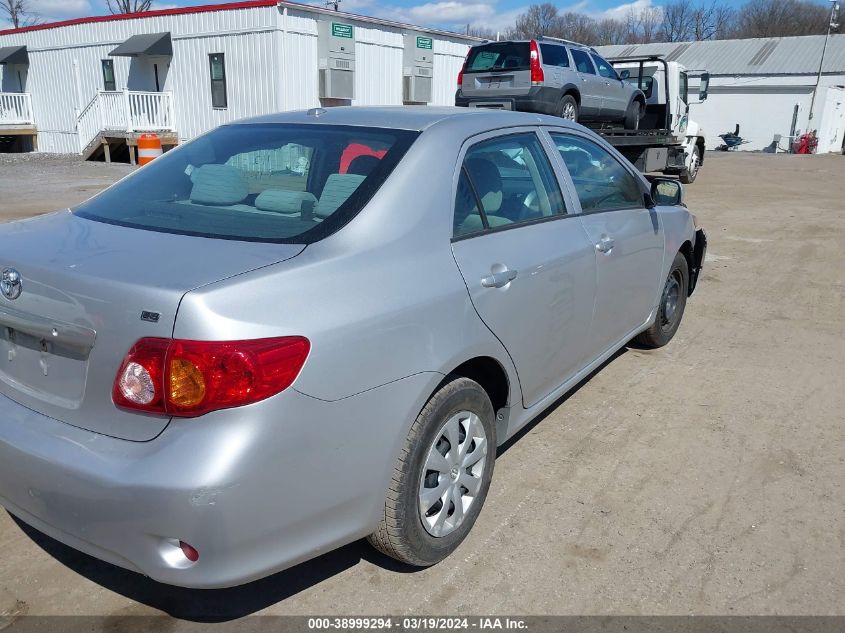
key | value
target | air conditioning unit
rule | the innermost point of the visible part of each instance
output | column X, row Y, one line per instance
column 336, row 51
column 418, row 80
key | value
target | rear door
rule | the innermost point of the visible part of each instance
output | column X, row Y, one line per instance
column 498, row 70
column 616, row 93
column 626, row 236
column 592, row 86
column 526, row 261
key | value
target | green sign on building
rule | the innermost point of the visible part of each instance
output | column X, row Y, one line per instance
column 342, row 30
column 424, row 42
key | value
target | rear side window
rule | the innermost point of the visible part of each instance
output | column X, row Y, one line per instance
column 605, row 69
column 499, row 56
column 602, row 183
column 267, row 183
column 506, row 181
column 582, row 62
column 554, row 55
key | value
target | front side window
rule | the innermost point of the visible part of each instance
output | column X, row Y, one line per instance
column 267, row 183
column 684, row 88
column 499, row 56
column 605, row 69
column 219, row 95
column 582, row 62
column 554, row 55
column 602, row 183
column 109, row 83
column 506, row 181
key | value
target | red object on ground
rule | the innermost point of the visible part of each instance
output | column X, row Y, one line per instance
column 356, row 150
column 807, row 143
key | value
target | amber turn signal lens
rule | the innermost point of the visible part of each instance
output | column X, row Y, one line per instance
column 187, row 385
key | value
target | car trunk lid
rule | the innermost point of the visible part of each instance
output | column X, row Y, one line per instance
column 89, row 290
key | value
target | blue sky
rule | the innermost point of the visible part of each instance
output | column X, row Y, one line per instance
column 451, row 14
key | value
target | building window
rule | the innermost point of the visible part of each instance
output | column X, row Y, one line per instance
column 109, row 84
column 218, row 81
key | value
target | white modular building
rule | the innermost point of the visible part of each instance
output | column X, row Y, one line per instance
column 766, row 86
column 92, row 85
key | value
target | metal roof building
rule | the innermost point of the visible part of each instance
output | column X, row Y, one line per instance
column 765, row 85
column 92, row 85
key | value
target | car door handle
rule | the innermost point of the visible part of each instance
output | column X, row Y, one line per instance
column 499, row 280
column 605, row 244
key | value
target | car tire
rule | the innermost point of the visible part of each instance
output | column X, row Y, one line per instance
column 633, row 115
column 407, row 531
column 568, row 109
column 688, row 175
column 670, row 311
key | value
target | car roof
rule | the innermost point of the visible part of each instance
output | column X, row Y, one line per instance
column 469, row 121
column 540, row 40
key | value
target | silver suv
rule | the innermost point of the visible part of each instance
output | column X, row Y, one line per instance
column 548, row 76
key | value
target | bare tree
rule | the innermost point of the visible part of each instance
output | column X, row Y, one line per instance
column 610, row 31
column 18, row 13
column 129, row 6
column 781, row 18
column 643, row 26
column 539, row 19
column 711, row 21
column 677, row 22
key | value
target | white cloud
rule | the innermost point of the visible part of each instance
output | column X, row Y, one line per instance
column 622, row 11
column 60, row 8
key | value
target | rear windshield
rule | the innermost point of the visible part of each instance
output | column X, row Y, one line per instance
column 499, row 56
column 264, row 183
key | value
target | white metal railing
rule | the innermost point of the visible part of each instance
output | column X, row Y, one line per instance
column 16, row 108
column 126, row 111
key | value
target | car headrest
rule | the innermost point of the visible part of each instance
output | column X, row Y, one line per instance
column 363, row 165
column 488, row 182
column 218, row 185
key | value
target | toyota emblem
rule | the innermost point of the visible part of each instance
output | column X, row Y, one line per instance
column 10, row 284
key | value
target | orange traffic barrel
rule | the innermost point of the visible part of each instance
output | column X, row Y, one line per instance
column 149, row 148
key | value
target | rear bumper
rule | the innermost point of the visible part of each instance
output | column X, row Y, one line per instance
column 539, row 99
column 699, row 252
column 253, row 490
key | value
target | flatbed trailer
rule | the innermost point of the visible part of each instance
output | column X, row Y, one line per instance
column 658, row 150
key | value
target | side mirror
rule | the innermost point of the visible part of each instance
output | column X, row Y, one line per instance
column 625, row 74
column 704, row 87
column 667, row 192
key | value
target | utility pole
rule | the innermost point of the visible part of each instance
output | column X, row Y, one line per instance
column 333, row 3
column 832, row 24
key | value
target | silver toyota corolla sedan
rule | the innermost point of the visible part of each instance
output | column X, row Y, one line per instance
column 308, row 328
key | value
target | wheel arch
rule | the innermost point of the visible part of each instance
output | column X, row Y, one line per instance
column 687, row 251
column 572, row 89
column 487, row 372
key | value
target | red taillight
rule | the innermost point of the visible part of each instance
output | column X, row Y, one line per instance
column 192, row 378
column 463, row 70
column 189, row 551
column 537, row 75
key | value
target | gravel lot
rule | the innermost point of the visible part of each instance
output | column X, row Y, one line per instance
column 703, row 478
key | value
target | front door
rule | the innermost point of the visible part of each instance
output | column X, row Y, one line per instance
column 527, row 263
column 626, row 236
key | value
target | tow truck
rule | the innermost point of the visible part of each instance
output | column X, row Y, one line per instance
column 667, row 140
